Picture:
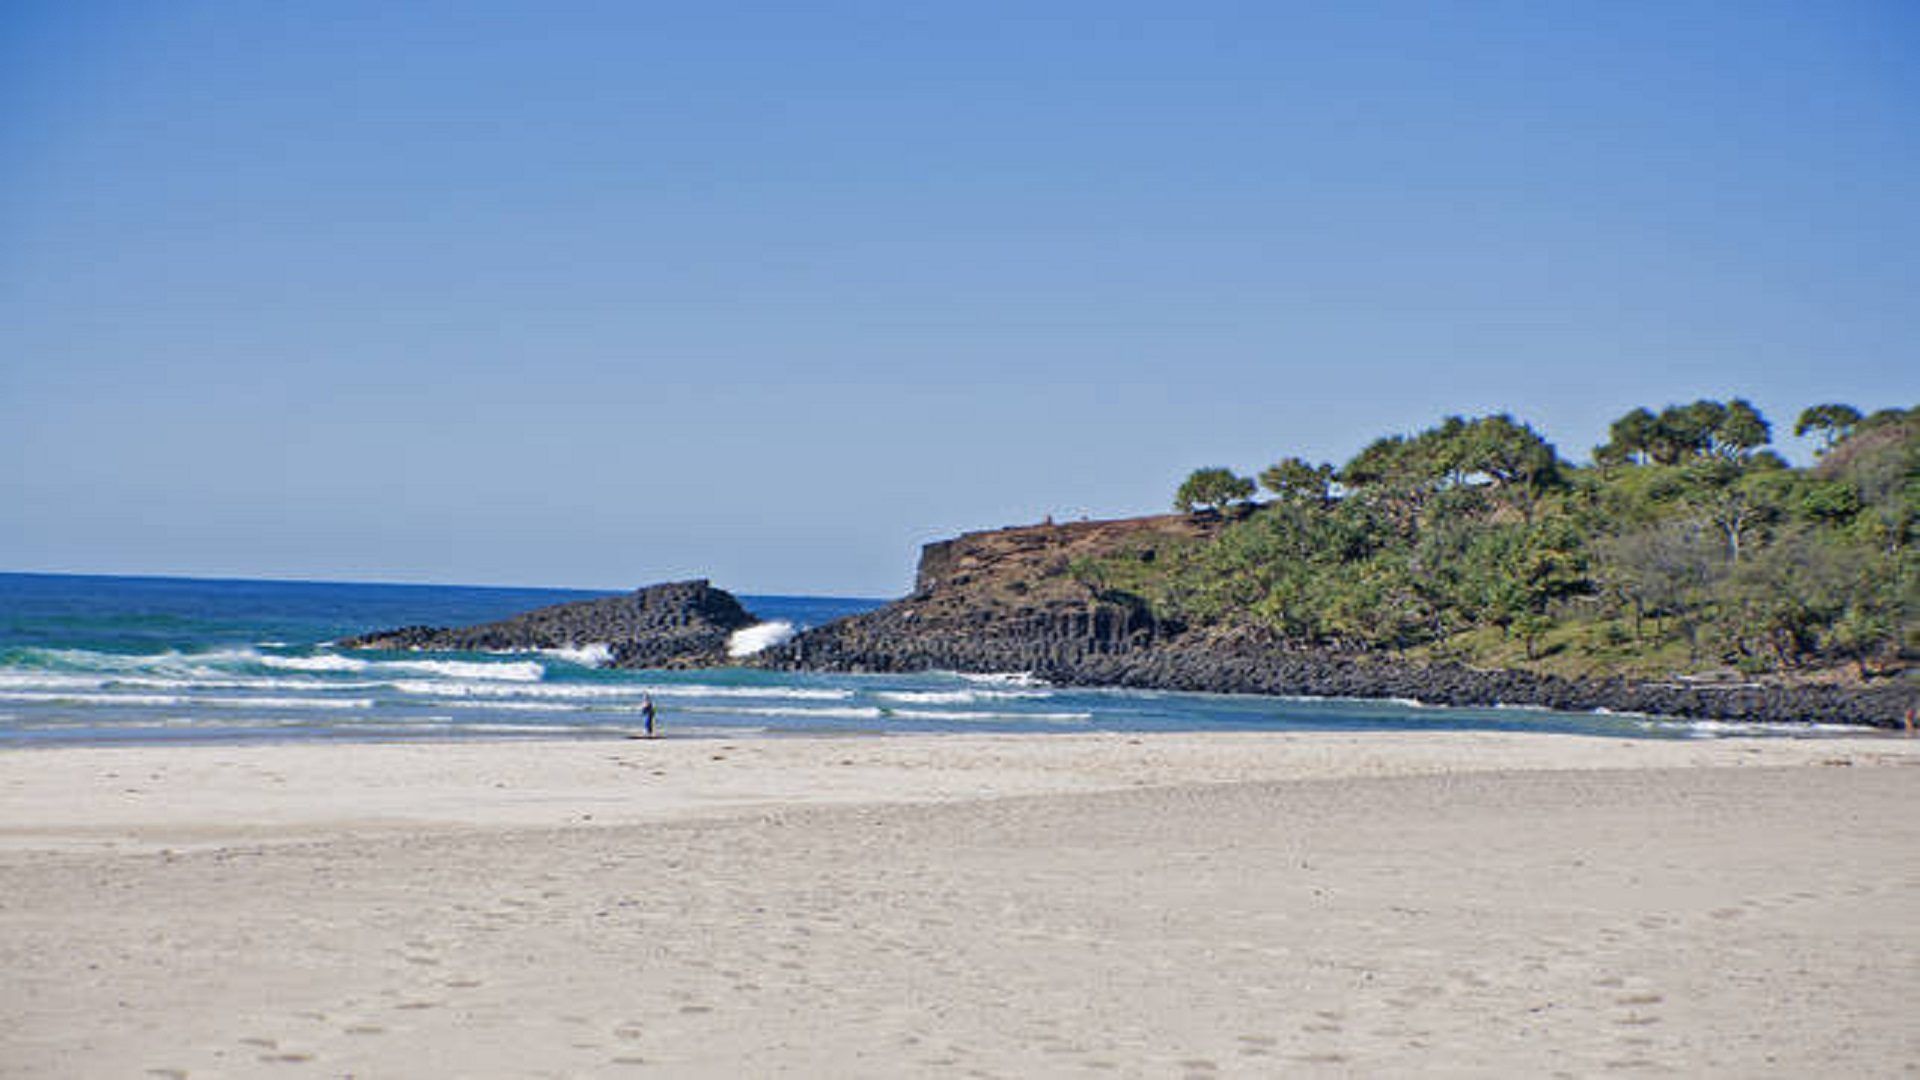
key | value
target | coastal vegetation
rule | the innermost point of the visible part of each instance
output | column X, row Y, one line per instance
column 1684, row 545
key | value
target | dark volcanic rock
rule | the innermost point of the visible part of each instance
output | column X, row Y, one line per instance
column 681, row 624
column 1004, row 601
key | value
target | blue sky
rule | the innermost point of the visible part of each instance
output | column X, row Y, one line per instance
column 605, row 294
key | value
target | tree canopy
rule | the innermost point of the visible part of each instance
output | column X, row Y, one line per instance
column 1214, row 487
column 1687, row 546
column 1293, row 479
column 1705, row 428
column 1832, row 422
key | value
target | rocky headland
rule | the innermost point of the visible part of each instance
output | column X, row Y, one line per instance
column 1007, row 600
column 680, row 624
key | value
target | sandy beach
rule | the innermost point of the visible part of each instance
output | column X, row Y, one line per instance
column 1179, row 905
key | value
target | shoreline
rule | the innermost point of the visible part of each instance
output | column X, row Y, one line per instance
column 878, row 642
column 1221, row 905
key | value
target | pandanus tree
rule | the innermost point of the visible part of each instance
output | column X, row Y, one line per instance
column 1294, row 480
column 1212, row 487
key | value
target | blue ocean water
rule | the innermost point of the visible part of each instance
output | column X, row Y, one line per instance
column 87, row 659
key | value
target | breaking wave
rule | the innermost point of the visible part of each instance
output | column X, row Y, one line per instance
column 1001, row 717
column 957, row 697
column 752, row 639
column 597, row 654
column 322, row 662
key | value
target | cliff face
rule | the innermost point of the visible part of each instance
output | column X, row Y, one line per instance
column 680, row 624
column 1000, row 601
column 1007, row 601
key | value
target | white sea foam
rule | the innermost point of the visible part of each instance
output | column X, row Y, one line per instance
column 786, row 693
column 322, row 662
column 239, row 682
column 1712, row 729
column 281, row 702
column 974, row 715
column 816, row 713
column 36, row 680
column 543, row 691
column 596, row 654
column 183, row 700
column 65, row 698
column 87, row 660
column 751, row 639
column 957, row 697
column 614, row 691
column 1003, row 678
column 522, row 671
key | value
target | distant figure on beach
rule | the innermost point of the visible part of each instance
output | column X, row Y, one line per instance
column 646, row 714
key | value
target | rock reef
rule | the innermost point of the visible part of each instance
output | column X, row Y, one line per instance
column 676, row 625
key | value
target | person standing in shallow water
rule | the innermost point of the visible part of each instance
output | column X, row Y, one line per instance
column 646, row 714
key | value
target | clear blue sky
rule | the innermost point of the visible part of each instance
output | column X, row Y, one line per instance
column 604, row 294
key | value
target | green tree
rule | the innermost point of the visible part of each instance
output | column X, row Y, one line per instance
column 1832, row 422
column 1293, row 480
column 1388, row 460
column 1703, row 536
column 1740, row 431
column 1632, row 439
column 1664, row 571
column 1734, row 501
column 1512, row 456
column 1214, row 487
column 1731, row 430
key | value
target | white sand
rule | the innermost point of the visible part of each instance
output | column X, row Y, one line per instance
column 1468, row 904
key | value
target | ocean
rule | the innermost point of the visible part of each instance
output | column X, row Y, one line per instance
column 103, row 660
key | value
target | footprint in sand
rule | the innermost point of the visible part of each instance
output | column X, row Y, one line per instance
column 1257, row 1045
column 1321, row 1027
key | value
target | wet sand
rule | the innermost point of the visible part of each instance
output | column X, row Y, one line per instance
column 1467, row 904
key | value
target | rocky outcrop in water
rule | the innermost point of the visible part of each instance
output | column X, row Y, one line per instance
column 676, row 625
column 1007, row 601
